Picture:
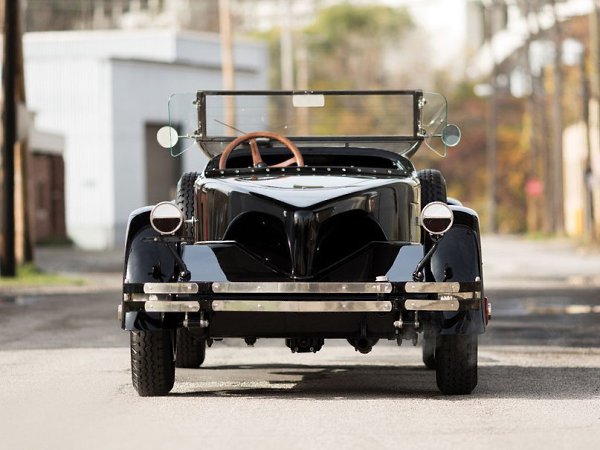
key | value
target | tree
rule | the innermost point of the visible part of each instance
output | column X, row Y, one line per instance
column 356, row 47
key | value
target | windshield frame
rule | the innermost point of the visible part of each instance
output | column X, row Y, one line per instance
column 406, row 144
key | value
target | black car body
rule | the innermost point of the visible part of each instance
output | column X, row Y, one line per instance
column 330, row 244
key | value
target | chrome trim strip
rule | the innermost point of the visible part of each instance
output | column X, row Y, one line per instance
column 170, row 288
column 301, row 288
column 171, row 306
column 431, row 305
column 214, row 242
column 301, row 306
column 135, row 298
column 432, row 287
column 459, row 296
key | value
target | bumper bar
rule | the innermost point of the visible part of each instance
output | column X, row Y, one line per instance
column 304, row 297
column 333, row 306
column 300, row 287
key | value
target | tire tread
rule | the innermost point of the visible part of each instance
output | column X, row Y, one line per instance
column 185, row 200
column 456, row 364
column 152, row 366
column 190, row 350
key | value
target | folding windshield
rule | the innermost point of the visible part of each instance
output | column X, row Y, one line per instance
column 394, row 120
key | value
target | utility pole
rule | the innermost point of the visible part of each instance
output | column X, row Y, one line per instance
column 24, row 252
column 8, row 260
column 558, row 209
column 492, row 122
column 286, row 46
column 533, row 219
column 491, row 153
column 593, row 220
column 595, row 50
column 227, row 61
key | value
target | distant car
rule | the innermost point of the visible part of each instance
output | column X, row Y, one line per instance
column 308, row 223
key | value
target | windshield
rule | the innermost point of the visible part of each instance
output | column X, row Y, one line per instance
column 392, row 120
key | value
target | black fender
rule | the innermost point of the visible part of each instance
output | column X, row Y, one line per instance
column 143, row 257
column 145, row 261
column 458, row 258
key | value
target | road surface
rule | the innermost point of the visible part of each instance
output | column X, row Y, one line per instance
column 65, row 380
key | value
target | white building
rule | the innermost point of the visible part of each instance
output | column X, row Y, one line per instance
column 107, row 93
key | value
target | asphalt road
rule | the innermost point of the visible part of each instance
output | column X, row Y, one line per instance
column 65, row 380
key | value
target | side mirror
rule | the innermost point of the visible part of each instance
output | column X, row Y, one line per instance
column 451, row 135
column 167, row 137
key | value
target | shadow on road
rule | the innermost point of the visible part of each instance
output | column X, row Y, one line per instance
column 376, row 382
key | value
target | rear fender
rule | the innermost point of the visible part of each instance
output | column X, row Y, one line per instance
column 145, row 261
column 458, row 258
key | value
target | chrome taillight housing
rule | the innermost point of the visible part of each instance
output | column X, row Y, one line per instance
column 166, row 218
column 437, row 218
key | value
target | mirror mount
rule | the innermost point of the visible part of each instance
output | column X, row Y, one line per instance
column 436, row 218
column 418, row 275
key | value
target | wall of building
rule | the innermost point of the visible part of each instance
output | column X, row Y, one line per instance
column 48, row 197
column 101, row 89
column 70, row 95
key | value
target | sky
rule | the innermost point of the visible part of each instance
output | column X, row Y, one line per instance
column 444, row 20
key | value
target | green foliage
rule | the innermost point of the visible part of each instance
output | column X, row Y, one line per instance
column 339, row 24
column 271, row 38
column 347, row 45
column 350, row 47
column 465, row 166
column 30, row 275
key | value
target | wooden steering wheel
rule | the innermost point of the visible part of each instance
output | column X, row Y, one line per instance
column 256, row 157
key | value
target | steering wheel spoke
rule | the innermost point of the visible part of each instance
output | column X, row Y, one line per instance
column 257, row 160
column 286, row 163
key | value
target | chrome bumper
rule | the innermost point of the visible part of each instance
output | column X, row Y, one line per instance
column 306, row 297
column 332, row 306
column 272, row 288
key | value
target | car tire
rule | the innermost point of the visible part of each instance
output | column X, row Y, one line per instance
column 433, row 186
column 429, row 342
column 190, row 351
column 152, row 362
column 185, row 200
column 456, row 364
column 433, row 189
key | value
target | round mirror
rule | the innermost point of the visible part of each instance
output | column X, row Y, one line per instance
column 451, row 135
column 167, row 137
column 437, row 218
column 166, row 218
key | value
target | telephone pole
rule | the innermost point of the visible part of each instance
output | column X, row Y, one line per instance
column 8, row 260
column 592, row 213
column 227, row 60
column 557, row 128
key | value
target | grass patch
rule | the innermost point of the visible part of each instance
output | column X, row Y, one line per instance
column 29, row 275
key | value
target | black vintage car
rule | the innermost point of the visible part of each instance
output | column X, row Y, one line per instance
column 308, row 223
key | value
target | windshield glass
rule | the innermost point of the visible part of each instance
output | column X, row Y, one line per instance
column 393, row 120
